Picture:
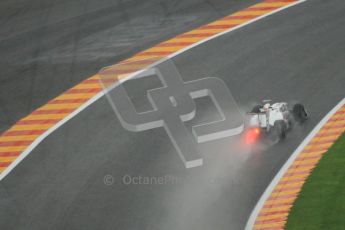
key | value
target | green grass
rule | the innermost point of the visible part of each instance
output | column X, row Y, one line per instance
column 321, row 204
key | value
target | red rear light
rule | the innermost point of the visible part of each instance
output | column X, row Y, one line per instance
column 252, row 135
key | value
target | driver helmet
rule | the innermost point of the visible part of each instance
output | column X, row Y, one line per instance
column 266, row 107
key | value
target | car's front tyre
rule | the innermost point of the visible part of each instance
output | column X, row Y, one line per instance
column 299, row 112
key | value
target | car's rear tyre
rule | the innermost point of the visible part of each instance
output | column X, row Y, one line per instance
column 290, row 121
column 256, row 109
column 278, row 131
column 299, row 112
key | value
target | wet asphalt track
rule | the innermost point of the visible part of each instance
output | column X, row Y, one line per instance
column 295, row 55
column 48, row 46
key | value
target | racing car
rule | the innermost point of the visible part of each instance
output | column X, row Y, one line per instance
column 275, row 119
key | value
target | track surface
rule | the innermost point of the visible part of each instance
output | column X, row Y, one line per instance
column 48, row 46
column 296, row 55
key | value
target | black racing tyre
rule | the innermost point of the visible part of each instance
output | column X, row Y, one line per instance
column 278, row 131
column 299, row 112
column 290, row 121
column 256, row 109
